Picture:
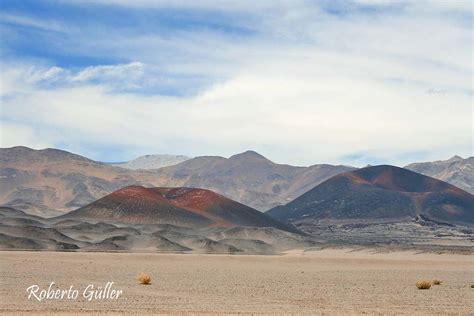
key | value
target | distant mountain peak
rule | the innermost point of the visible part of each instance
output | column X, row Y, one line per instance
column 455, row 158
column 23, row 153
column 249, row 154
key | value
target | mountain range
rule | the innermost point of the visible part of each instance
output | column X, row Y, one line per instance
column 49, row 182
column 118, row 209
column 380, row 205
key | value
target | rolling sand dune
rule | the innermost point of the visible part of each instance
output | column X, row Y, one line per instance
column 328, row 281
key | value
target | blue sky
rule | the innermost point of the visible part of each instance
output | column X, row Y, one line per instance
column 301, row 82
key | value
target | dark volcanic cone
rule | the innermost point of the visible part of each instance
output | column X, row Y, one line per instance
column 380, row 193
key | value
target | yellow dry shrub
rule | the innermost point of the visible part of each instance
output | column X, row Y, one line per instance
column 423, row 285
column 143, row 278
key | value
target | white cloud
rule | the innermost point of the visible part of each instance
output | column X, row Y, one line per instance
column 22, row 78
column 308, row 87
column 13, row 134
column 300, row 116
column 129, row 71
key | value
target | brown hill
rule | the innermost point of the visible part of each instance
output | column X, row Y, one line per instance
column 380, row 193
column 187, row 207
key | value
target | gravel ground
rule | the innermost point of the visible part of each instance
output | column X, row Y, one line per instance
column 330, row 281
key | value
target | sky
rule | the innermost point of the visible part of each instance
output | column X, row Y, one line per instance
column 301, row 82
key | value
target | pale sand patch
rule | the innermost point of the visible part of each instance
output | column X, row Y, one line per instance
column 330, row 281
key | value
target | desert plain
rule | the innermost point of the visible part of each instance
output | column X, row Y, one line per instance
column 327, row 281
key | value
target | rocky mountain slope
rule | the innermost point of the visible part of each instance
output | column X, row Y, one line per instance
column 152, row 162
column 457, row 171
column 44, row 182
column 248, row 178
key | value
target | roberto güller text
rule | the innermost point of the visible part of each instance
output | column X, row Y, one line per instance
column 90, row 292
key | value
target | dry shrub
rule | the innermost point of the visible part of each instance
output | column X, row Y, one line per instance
column 437, row 282
column 472, row 286
column 423, row 285
column 143, row 278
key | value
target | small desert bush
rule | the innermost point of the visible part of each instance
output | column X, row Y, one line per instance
column 423, row 285
column 437, row 282
column 472, row 286
column 143, row 278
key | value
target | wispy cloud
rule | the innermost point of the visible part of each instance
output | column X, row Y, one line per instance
column 29, row 21
column 302, row 83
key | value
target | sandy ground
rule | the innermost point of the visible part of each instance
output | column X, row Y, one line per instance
column 332, row 281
